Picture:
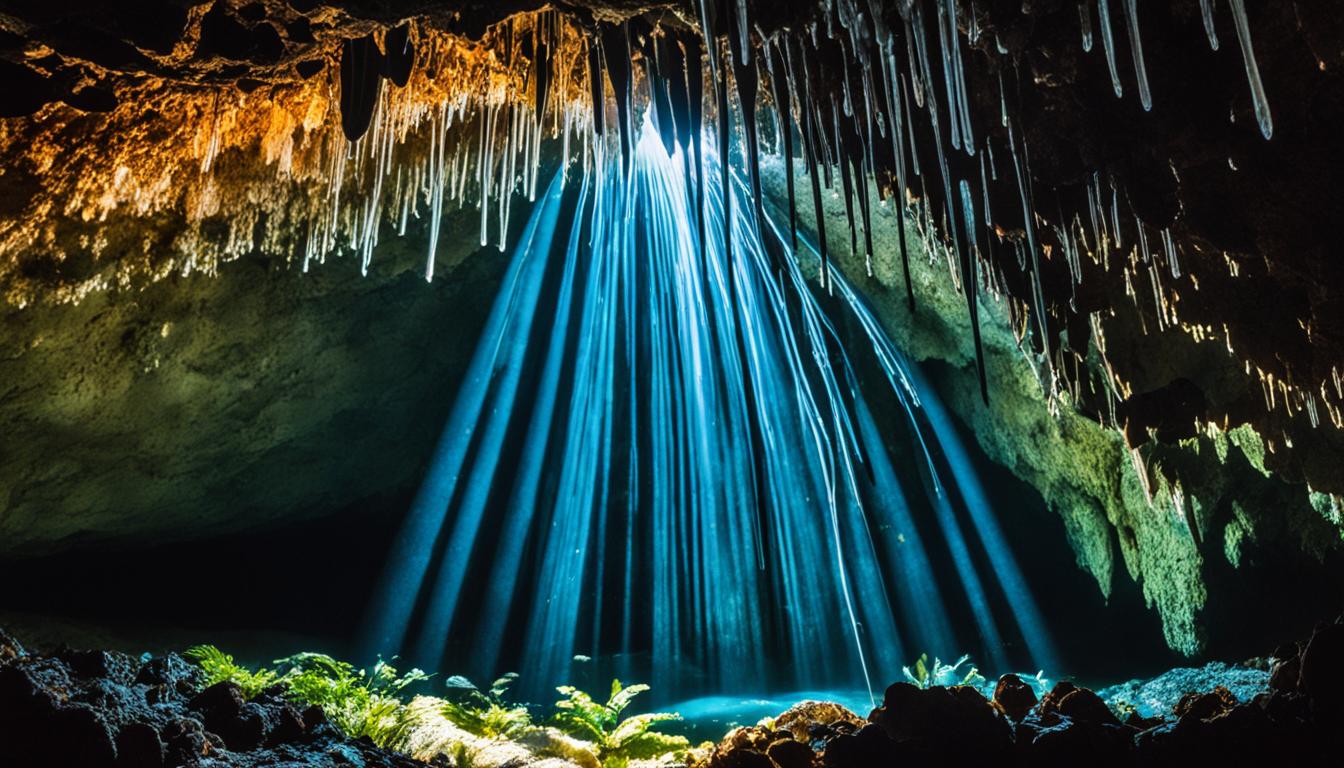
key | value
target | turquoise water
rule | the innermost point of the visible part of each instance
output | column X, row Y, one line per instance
column 707, row 718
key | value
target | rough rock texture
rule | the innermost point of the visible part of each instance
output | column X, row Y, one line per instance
column 1069, row 726
column 202, row 405
column 99, row 708
column 1232, row 512
column 1160, row 695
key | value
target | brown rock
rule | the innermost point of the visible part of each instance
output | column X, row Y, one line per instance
column 1014, row 697
column 806, row 719
column 936, row 720
column 1085, row 706
column 787, row 753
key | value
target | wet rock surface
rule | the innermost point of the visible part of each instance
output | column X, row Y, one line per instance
column 1162, row 694
column 99, row 708
column 1298, row 724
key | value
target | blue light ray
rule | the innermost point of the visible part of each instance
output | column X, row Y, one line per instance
column 598, row 490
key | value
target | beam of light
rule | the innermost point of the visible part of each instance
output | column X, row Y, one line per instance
column 596, row 492
column 1028, row 616
column 409, row 560
column 908, row 379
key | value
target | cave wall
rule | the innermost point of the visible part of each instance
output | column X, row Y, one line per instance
column 199, row 406
column 1194, row 561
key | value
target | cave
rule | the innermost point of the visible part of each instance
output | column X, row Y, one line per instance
column 671, row 383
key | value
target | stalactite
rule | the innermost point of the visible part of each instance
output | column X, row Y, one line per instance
column 616, row 54
column 399, row 55
column 541, row 65
column 971, row 284
column 695, row 89
column 846, row 182
column 1206, row 11
column 784, row 119
column 1108, row 44
column 1261, row 102
column 361, row 84
column 595, row 91
column 1136, row 48
column 746, row 77
column 811, row 158
column 1085, row 23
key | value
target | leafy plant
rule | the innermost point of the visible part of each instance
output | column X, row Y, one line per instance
column 357, row 702
column 618, row 740
column 1039, row 681
column 924, row 675
column 486, row 713
column 220, row 667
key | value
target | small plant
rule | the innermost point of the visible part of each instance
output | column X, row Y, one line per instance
column 357, row 702
column 618, row 740
column 486, row 713
column 462, row 757
column 924, row 675
column 1040, row 682
column 220, row 667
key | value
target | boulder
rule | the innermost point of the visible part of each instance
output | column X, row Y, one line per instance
column 1082, row 705
column 789, row 753
column 869, row 747
column 1013, row 697
column 1205, row 706
column 813, row 721
column 943, row 721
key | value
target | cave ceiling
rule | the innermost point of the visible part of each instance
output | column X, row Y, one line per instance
column 1175, row 270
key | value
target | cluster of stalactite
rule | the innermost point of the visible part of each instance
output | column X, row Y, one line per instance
column 404, row 124
column 878, row 96
column 865, row 91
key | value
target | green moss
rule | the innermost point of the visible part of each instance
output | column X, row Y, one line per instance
column 1245, row 438
column 1234, row 539
column 1084, row 472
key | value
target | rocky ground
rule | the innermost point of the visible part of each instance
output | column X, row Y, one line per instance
column 103, row 708
column 100, row 708
column 1295, row 722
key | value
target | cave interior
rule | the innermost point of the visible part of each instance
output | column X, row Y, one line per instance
column 878, row 381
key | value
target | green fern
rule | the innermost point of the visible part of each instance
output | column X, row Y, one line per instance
column 220, row 667
column 924, row 675
column 358, row 703
column 486, row 713
column 618, row 740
